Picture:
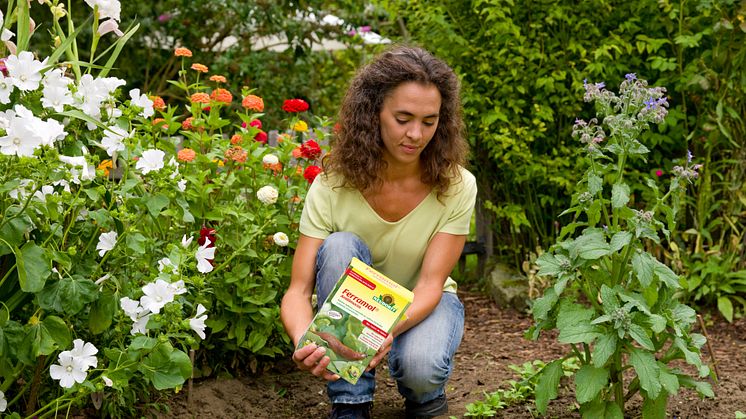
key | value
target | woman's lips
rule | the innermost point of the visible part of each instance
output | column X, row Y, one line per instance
column 409, row 149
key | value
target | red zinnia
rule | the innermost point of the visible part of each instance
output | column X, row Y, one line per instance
column 261, row 136
column 295, row 105
column 255, row 123
column 311, row 172
column 310, row 150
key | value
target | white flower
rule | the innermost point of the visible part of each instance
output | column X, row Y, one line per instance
column 113, row 139
column 56, row 78
column 198, row 322
column 178, row 287
column 6, row 88
column 185, row 242
column 24, row 70
column 107, row 381
column 270, row 159
column 157, row 295
column 70, row 370
column 45, row 190
column 166, row 263
column 102, row 279
column 106, row 242
column 267, row 194
column 143, row 102
column 281, row 239
column 106, row 8
column 109, row 25
column 22, row 134
column 130, row 307
column 151, row 160
column 140, row 325
column 85, row 353
column 181, row 185
column 3, row 402
column 202, row 255
column 56, row 97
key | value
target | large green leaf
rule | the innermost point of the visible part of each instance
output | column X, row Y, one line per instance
column 544, row 304
column 156, row 204
column 34, row 267
column 102, row 313
column 45, row 337
column 166, row 367
column 548, row 382
column 589, row 381
column 592, row 245
column 574, row 324
column 666, row 275
column 619, row 195
column 68, row 295
column 725, row 306
column 604, row 349
column 647, row 370
column 640, row 336
column 619, row 240
column 598, row 409
column 642, row 265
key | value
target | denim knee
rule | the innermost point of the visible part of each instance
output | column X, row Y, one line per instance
column 418, row 374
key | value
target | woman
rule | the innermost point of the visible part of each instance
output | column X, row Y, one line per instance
column 394, row 194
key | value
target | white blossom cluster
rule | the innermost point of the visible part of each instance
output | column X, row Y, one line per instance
column 74, row 364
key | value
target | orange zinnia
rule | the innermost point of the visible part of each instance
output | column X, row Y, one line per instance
column 236, row 139
column 187, row 124
column 297, row 153
column 275, row 167
column 217, row 78
column 158, row 103
column 253, row 103
column 200, row 67
column 186, row 154
column 182, row 52
column 105, row 166
column 236, row 153
column 221, row 95
column 200, row 98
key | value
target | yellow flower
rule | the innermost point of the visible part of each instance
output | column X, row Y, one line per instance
column 300, row 126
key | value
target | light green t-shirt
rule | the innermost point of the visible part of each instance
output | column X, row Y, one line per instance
column 397, row 247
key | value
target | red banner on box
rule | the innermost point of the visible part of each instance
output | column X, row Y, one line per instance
column 375, row 328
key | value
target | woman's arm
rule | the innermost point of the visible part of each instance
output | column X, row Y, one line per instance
column 296, row 311
column 441, row 256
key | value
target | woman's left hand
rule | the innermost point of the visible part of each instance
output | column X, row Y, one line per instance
column 382, row 351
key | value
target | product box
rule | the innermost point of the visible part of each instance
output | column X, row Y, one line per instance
column 356, row 318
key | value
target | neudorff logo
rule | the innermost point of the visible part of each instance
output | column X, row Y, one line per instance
column 386, row 300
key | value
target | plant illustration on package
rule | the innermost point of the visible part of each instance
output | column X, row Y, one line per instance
column 612, row 301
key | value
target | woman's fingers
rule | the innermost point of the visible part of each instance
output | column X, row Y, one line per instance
column 312, row 358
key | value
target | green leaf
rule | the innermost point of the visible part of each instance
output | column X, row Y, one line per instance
column 619, row 195
column 34, row 267
column 549, row 265
column 166, row 367
column 595, row 184
column 669, row 381
column 547, row 384
column 589, row 381
column 619, row 240
column 156, row 204
column 598, row 409
column 574, row 324
column 725, row 306
column 143, row 342
column 647, row 370
column 102, row 313
column 643, row 264
column 68, row 295
column 638, row 333
column 666, row 275
column 604, row 349
column 544, row 304
column 703, row 388
column 43, row 338
column 655, row 407
column 591, row 245
column 136, row 242
column 657, row 323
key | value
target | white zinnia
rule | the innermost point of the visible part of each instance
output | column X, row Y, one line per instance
column 281, row 239
column 106, row 242
column 151, row 160
column 143, row 102
column 70, row 370
column 157, row 295
column 202, row 255
column 270, row 159
column 24, row 70
column 198, row 322
column 267, row 194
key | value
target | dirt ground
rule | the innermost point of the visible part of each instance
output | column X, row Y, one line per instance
column 493, row 339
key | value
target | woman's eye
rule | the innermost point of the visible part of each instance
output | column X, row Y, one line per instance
column 402, row 121
column 428, row 124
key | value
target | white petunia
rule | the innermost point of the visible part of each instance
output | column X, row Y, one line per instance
column 3, row 402
column 51, row 131
column 106, row 242
column 24, row 70
column 157, row 295
column 198, row 322
column 150, row 160
column 267, row 194
column 178, row 287
column 140, row 325
column 143, row 102
column 281, row 239
column 21, row 137
column 70, row 370
column 85, row 353
column 130, row 307
column 181, row 185
column 6, row 88
column 56, row 97
column 185, row 242
column 270, row 159
column 56, row 78
column 202, row 255
column 113, row 140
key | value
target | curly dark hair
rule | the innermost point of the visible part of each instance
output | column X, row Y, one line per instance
column 357, row 149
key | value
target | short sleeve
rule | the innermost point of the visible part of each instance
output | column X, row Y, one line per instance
column 461, row 205
column 316, row 218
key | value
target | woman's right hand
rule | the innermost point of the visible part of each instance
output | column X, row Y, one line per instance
column 312, row 358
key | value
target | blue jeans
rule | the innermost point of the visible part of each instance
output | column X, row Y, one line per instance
column 421, row 359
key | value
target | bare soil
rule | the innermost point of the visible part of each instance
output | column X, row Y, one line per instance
column 493, row 339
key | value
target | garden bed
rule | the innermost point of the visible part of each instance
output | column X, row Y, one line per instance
column 493, row 340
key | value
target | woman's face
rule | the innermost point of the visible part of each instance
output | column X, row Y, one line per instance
column 409, row 117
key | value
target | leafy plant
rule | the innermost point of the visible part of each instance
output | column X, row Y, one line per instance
column 615, row 304
column 711, row 281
